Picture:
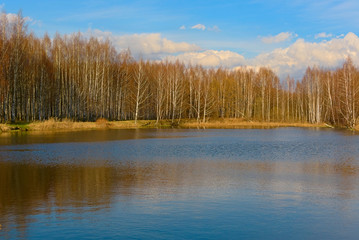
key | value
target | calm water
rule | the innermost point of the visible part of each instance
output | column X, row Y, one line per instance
column 287, row 183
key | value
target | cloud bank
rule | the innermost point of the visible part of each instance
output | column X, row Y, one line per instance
column 301, row 54
column 147, row 45
column 210, row 58
column 292, row 60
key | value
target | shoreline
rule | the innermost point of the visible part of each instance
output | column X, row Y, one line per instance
column 102, row 124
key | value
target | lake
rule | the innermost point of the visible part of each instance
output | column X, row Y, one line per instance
column 285, row 183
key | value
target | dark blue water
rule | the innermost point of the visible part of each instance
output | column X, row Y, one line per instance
column 287, row 183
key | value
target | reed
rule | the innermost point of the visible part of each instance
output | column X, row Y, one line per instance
column 241, row 123
column 54, row 124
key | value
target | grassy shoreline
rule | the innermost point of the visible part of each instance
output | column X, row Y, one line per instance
column 69, row 125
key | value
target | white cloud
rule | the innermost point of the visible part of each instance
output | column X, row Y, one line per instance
column 202, row 27
column 292, row 60
column 199, row 27
column 281, row 37
column 151, row 45
column 12, row 18
column 210, row 58
column 323, row 35
column 301, row 54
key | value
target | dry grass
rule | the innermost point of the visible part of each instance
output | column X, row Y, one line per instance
column 140, row 124
column 69, row 125
column 4, row 128
column 101, row 123
column 241, row 123
column 64, row 124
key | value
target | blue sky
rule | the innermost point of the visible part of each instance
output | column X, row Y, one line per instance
column 252, row 28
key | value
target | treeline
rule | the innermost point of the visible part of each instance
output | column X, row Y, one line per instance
column 85, row 79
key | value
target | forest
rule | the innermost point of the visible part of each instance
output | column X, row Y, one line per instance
column 84, row 79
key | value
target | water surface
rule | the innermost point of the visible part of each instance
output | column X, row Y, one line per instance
column 286, row 183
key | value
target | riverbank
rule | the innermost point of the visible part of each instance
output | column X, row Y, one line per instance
column 69, row 125
column 240, row 123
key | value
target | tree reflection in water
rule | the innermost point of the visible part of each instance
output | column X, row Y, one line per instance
column 28, row 189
